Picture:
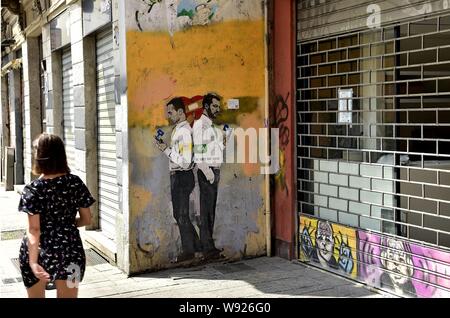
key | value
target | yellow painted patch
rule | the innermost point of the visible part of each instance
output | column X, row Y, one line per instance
column 227, row 58
column 139, row 199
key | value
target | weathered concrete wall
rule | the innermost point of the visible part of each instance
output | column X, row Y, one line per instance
column 178, row 48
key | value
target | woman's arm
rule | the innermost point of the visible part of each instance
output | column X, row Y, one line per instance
column 85, row 217
column 33, row 234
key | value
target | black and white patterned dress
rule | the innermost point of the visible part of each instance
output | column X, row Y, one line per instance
column 61, row 251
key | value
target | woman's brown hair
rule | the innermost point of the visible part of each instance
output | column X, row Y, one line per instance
column 49, row 155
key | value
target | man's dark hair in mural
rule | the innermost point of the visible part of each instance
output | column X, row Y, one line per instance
column 211, row 105
column 396, row 259
column 182, row 180
column 208, row 154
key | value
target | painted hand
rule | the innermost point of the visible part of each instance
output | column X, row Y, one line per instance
column 40, row 272
column 161, row 145
column 210, row 175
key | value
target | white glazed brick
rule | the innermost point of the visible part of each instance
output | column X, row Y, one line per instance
column 348, row 219
column 327, row 214
column 339, row 204
column 321, row 200
column 339, row 179
column 369, row 224
column 371, row 197
column 321, row 177
column 349, row 168
column 328, row 190
column 328, row 165
column 360, row 182
column 359, row 208
column 388, row 172
column 376, row 211
column 382, row 185
column 316, row 165
column 389, row 200
column 349, row 194
column 371, row 171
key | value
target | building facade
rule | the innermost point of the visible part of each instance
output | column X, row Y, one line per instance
column 358, row 91
column 99, row 74
column 373, row 173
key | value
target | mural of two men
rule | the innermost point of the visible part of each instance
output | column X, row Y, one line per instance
column 194, row 142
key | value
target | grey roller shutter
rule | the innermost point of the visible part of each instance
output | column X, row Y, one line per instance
column 107, row 169
column 68, row 108
column 319, row 18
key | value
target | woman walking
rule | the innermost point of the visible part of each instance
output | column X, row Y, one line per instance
column 52, row 250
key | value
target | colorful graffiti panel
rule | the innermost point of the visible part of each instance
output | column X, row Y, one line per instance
column 331, row 246
column 405, row 268
column 392, row 264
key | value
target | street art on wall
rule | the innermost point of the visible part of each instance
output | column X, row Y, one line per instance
column 382, row 261
column 195, row 156
column 281, row 116
column 178, row 51
column 405, row 268
column 329, row 245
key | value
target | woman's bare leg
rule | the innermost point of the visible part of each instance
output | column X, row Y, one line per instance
column 64, row 291
column 37, row 290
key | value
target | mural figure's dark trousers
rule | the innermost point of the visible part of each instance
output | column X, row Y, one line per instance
column 181, row 185
column 208, row 200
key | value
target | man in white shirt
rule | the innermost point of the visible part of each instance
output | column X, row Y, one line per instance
column 208, row 155
column 182, row 179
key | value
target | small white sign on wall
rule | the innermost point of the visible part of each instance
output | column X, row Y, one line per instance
column 233, row 104
column 345, row 106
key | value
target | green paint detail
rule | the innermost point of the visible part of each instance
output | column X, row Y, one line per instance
column 200, row 149
column 247, row 105
column 186, row 13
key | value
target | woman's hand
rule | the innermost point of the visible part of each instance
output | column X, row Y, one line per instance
column 40, row 272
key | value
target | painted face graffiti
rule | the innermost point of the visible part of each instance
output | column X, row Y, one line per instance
column 214, row 108
column 173, row 115
column 395, row 259
column 324, row 241
column 202, row 15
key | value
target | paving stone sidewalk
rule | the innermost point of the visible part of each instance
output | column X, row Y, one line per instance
column 261, row 277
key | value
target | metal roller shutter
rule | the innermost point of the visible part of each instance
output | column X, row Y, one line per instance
column 68, row 108
column 107, row 169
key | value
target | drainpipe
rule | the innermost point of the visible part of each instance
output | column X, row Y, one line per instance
column 268, row 143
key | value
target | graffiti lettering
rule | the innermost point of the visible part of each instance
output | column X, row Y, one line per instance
column 306, row 241
column 345, row 260
column 281, row 115
column 137, row 15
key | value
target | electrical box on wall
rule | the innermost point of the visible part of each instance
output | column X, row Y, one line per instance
column 233, row 104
